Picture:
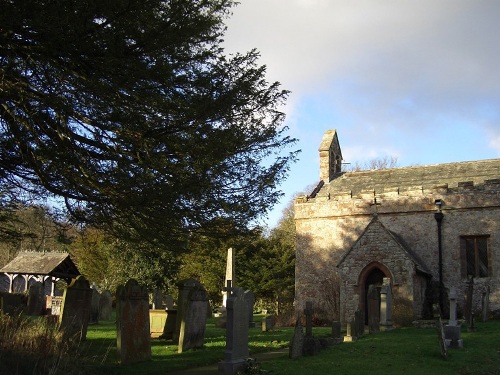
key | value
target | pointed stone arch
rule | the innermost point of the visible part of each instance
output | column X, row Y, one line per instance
column 372, row 273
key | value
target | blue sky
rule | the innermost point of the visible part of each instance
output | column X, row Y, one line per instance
column 418, row 80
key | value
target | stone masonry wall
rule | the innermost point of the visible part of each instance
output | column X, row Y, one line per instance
column 327, row 227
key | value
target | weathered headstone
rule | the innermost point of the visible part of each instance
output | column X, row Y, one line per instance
column 169, row 302
column 193, row 320
column 133, row 340
column 105, row 305
column 184, row 290
column 169, row 329
column 297, row 341
column 157, row 299
column 236, row 352
column 75, row 309
column 469, row 293
column 360, row 323
column 336, row 326
column 230, row 274
column 311, row 344
column 267, row 323
column 250, row 298
column 386, row 305
column 36, row 299
column 452, row 330
column 373, row 299
column 94, row 307
column 485, row 304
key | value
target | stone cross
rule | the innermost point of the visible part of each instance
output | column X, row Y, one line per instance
column 375, row 204
column 386, row 305
column 453, row 307
column 230, row 273
column 308, row 312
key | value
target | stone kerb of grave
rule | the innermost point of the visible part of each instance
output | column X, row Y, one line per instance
column 133, row 340
column 75, row 309
column 193, row 322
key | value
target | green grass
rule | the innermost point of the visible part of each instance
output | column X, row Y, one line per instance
column 402, row 351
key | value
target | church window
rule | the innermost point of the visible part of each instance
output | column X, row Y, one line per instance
column 475, row 255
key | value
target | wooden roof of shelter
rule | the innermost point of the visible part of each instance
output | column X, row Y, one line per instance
column 50, row 264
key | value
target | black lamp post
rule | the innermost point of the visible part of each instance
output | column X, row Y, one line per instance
column 439, row 219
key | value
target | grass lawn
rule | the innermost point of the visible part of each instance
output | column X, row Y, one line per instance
column 402, row 351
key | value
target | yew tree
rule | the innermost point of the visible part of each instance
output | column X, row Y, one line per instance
column 132, row 113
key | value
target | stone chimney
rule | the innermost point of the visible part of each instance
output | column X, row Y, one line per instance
column 330, row 157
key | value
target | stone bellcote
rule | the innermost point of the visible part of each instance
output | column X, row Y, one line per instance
column 330, row 156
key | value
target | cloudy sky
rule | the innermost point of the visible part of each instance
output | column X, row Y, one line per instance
column 418, row 80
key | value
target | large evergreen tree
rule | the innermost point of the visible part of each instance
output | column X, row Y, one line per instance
column 132, row 113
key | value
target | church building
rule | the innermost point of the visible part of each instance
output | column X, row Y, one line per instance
column 416, row 227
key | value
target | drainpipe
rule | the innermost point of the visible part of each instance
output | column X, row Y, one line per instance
column 439, row 219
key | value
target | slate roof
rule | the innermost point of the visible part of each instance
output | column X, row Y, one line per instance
column 427, row 176
column 34, row 263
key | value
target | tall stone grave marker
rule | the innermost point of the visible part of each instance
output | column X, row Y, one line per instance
column 193, row 319
column 373, row 309
column 386, row 305
column 230, row 273
column 75, row 309
column 360, row 323
column 311, row 344
column 297, row 341
column 133, row 340
column 169, row 302
column 94, row 307
column 485, row 304
column 236, row 332
column 452, row 329
column 105, row 305
column 469, row 293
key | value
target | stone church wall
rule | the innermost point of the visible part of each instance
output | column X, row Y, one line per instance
column 328, row 225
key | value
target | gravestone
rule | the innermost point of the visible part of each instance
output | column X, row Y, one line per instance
column 169, row 302
column 105, row 305
column 169, row 329
column 349, row 335
column 386, row 305
column 157, row 300
column 440, row 332
column 373, row 299
column 312, row 345
column 194, row 319
column 336, row 326
column 157, row 321
column 236, row 352
column 297, row 341
column 267, row 323
column 469, row 293
column 94, row 307
column 230, row 273
column 36, row 299
column 250, row 298
column 184, row 287
column 485, row 304
column 133, row 340
column 452, row 329
column 360, row 323
column 75, row 309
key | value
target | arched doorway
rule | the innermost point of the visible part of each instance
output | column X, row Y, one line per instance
column 372, row 275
